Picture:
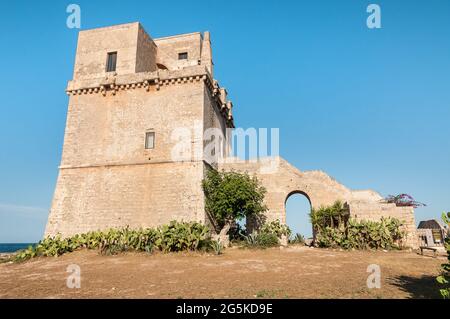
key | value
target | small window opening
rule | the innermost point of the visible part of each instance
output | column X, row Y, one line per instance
column 182, row 56
column 111, row 62
column 149, row 140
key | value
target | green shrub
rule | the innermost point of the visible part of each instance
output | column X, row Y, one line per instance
column 297, row 239
column 181, row 236
column 266, row 240
column 251, row 240
column 275, row 227
column 177, row 236
column 333, row 228
column 385, row 234
column 231, row 197
column 261, row 240
column 444, row 278
column 268, row 235
column 205, row 245
column 329, row 216
column 217, row 247
column 115, row 241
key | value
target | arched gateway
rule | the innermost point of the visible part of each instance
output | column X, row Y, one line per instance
column 298, row 208
column 281, row 180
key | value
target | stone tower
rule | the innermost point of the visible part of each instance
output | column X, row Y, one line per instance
column 143, row 114
column 132, row 100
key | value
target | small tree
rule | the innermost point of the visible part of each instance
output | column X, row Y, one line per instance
column 444, row 278
column 232, row 196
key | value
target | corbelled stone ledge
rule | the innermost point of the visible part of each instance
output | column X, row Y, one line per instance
column 113, row 83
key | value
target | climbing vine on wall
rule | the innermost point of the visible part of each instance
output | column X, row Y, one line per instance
column 403, row 200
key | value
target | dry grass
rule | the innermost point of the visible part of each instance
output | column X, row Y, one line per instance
column 296, row 272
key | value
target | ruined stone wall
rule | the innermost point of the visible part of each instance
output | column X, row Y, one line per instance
column 370, row 210
column 281, row 180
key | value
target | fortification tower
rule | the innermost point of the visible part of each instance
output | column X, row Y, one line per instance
column 138, row 140
column 132, row 100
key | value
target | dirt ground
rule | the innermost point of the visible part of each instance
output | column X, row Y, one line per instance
column 294, row 272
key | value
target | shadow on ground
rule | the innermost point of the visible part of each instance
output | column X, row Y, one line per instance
column 424, row 287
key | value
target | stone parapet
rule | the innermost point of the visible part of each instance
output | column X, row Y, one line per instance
column 145, row 80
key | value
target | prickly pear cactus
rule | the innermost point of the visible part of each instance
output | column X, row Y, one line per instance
column 444, row 278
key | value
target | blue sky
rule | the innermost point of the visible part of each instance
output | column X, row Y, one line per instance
column 369, row 107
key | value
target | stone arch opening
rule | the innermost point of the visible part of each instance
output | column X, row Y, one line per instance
column 297, row 207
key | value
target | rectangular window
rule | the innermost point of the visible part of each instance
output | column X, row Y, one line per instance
column 182, row 56
column 111, row 62
column 149, row 140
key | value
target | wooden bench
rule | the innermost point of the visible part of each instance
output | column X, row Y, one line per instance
column 422, row 248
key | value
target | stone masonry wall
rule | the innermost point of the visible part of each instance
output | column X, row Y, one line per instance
column 93, row 46
column 142, row 195
column 281, row 180
column 111, row 129
column 108, row 179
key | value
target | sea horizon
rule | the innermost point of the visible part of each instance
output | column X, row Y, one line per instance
column 13, row 247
